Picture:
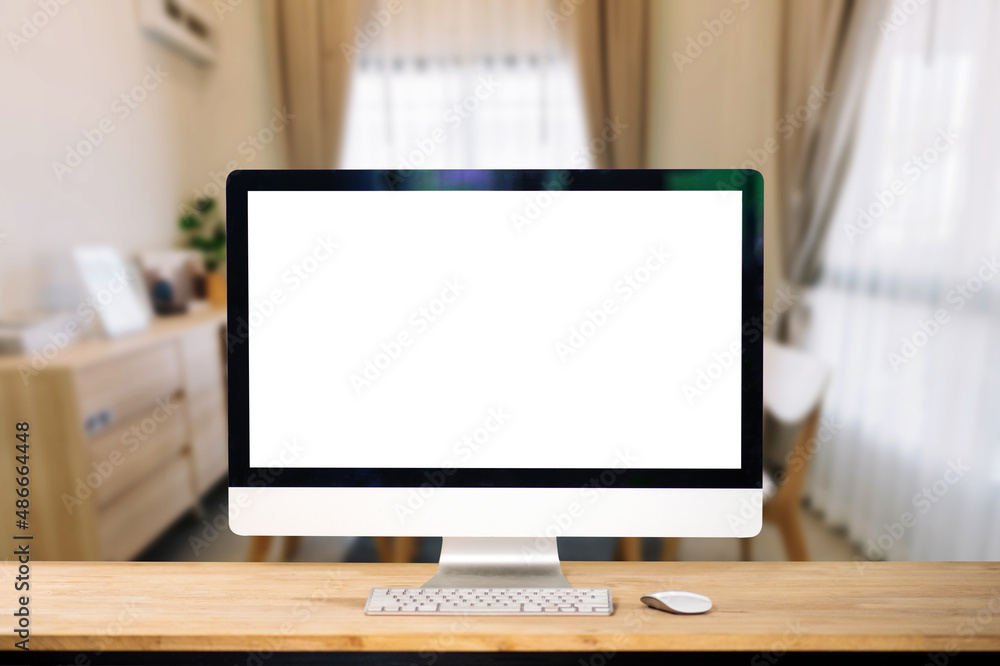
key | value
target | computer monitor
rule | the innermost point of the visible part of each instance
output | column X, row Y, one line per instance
column 500, row 358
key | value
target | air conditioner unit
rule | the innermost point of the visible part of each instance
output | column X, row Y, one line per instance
column 180, row 24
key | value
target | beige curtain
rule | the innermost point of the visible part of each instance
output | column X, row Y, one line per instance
column 310, row 74
column 611, row 41
column 829, row 46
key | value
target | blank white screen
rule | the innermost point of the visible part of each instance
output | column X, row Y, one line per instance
column 318, row 315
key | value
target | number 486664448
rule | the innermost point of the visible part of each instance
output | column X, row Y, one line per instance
column 21, row 473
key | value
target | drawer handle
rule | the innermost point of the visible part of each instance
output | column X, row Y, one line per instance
column 97, row 422
column 100, row 420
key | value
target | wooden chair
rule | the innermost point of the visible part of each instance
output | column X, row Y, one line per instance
column 794, row 382
column 396, row 549
column 388, row 549
column 260, row 547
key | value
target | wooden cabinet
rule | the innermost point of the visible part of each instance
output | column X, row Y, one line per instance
column 126, row 434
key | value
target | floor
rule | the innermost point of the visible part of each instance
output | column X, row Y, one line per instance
column 207, row 538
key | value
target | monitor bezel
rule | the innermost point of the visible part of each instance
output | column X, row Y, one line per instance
column 748, row 182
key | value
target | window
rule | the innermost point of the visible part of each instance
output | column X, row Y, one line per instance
column 452, row 84
column 907, row 311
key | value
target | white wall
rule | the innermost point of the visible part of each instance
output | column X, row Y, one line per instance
column 64, row 81
column 709, row 112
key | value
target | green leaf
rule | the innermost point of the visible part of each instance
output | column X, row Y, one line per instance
column 190, row 222
column 219, row 236
column 205, row 204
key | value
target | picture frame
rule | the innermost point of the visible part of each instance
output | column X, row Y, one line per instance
column 114, row 290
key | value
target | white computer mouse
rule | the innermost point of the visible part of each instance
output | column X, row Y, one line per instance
column 678, row 601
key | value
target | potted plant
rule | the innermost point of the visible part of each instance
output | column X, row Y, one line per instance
column 205, row 231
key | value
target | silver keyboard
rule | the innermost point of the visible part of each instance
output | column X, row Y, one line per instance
column 489, row 601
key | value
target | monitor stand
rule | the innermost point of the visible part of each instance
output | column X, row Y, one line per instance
column 498, row 562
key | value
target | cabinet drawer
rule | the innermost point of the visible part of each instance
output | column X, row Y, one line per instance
column 202, row 357
column 209, row 439
column 205, row 407
column 210, row 470
column 140, row 515
column 136, row 446
column 124, row 385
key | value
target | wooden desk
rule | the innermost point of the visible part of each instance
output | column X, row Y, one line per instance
column 759, row 607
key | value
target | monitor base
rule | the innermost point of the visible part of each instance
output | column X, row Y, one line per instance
column 499, row 562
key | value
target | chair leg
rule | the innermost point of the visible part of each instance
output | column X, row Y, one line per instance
column 670, row 547
column 406, row 548
column 384, row 549
column 629, row 549
column 746, row 550
column 260, row 546
column 793, row 536
column 290, row 547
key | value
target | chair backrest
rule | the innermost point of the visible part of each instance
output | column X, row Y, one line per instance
column 794, row 382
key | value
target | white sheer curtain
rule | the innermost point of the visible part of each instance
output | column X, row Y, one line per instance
column 465, row 84
column 907, row 310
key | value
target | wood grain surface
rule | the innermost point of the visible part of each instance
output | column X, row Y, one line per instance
column 768, row 607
